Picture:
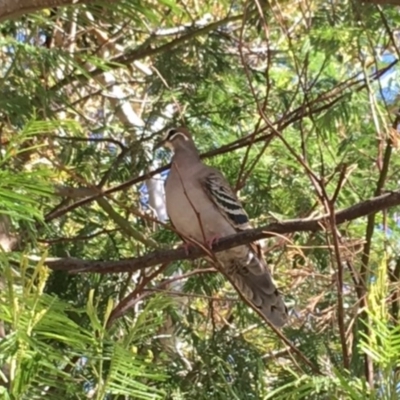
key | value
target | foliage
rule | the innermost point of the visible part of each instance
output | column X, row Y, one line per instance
column 296, row 103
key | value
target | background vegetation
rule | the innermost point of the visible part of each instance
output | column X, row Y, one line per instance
column 297, row 103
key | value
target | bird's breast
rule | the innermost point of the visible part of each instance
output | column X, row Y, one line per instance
column 191, row 211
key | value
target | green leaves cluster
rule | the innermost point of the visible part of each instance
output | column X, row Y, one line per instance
column 63, row 128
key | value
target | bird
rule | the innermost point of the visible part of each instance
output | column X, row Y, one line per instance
column 203, row 208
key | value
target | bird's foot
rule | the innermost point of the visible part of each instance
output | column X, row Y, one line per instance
column 187, row 246
column 209, row 242
column 213, row 241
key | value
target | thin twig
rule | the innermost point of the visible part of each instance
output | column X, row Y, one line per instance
column 321, row 104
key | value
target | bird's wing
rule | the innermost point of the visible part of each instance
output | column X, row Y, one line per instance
column 247, row 271
column 220, row 193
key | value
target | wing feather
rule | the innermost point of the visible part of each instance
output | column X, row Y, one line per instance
column 224, row 198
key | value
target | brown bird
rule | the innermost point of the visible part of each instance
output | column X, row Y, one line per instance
column 202, row 206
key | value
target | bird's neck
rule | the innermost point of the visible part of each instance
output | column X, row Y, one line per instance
column 185, row 160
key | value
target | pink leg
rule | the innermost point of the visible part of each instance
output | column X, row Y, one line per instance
column 209, row 242
column 212, row 241
column 187, row 246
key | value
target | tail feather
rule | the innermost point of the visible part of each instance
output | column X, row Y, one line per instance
column 252, row 278
column 262, row 293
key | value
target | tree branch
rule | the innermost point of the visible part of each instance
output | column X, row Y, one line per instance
column 359, row 210
column 143, row 51
column 382, row 2
column 14, row 8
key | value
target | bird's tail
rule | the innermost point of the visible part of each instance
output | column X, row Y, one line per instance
column 252, row 278
column 262, row 293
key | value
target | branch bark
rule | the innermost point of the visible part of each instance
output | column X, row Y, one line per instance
column 143, row 51
column 359, row 210
column 383, row 2
column 14, row 8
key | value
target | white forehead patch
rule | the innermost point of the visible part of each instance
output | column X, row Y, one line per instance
column 173, row 134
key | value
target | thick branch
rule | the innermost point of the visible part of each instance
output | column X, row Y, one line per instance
column 14, row 8
column 391, row 2
column 359, row 210
column 143, row 51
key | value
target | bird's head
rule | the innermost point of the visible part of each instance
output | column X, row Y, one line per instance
column 177, row 139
